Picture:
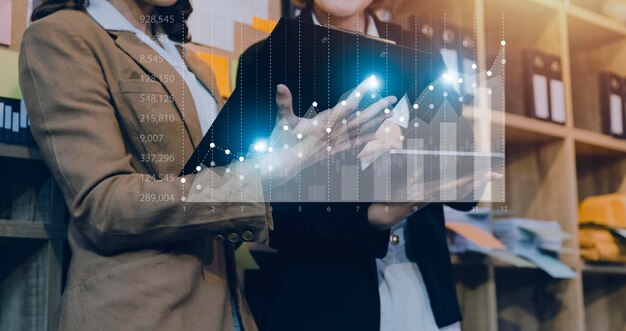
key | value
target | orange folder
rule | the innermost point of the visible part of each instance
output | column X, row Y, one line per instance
column 263, row 25
column 476, row 235
column 219, row 64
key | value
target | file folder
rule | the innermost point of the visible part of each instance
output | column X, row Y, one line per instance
column 23, row 123
column 8, row 121
column 15, row 125
column 557, row 90
column 612, row 104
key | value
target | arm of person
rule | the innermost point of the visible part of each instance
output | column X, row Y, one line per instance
column 344, row 224
column 80, row 139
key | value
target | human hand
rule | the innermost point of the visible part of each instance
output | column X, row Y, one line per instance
column 306, row 141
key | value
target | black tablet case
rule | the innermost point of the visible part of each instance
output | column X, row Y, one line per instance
column 318, row 64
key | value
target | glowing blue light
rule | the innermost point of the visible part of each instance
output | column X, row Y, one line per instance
column 373, row 82
column 260, row 146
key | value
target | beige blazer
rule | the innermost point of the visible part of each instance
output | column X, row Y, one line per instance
column 142, row 258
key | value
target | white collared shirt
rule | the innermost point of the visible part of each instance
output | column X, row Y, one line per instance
column 109, row 18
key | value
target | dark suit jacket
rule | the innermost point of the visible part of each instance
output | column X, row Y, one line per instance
column 136, row 264
column 325, row 275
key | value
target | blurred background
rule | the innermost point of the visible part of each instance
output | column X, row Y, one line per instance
column 552, row 257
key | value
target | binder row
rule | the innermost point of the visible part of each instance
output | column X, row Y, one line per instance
column 14, row 123
column 543, row 86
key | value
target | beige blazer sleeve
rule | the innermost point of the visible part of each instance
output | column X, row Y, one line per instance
column 74, row 122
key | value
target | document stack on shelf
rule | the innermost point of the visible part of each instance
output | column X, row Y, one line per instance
column 471, row 232
column 603, row 228
column 14, row 123
column 539, row 242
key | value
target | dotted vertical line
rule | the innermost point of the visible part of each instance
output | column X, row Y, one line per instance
column 182, row 110
column 241, row 110
column 328, row 103
column 503, row 103
column 416, row 124
column 475, row 118
column 358, row 160
column 387, row 156
column 444, row 144
column 216, row 110
column 299, row 99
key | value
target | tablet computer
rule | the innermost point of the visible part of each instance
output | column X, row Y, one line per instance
column 318, row 64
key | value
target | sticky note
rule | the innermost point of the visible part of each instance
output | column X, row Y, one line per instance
column 9, row 84
column 219, row 64
column 263, row 25
column 5, row 22
column 476, row 235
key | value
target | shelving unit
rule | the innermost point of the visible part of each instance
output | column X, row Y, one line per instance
column 550, row 167
column 34, row 253
column 32, row 241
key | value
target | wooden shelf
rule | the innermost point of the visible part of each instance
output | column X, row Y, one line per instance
column 596, row 19
column 605, row 269
column 19, row 151
column 524, row 129
column 590, row 143
column 32, row 230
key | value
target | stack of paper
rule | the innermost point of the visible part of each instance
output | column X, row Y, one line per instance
column 472, row 232
column 529, row 239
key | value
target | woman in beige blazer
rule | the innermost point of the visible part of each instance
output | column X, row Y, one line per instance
column 116, row 121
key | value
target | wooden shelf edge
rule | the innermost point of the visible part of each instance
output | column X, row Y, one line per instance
column 19, row 151
column 32, row 230
column 607, row 143
column 596, row 19
column 552, row 4
column 535, row 129
column 605, row 269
